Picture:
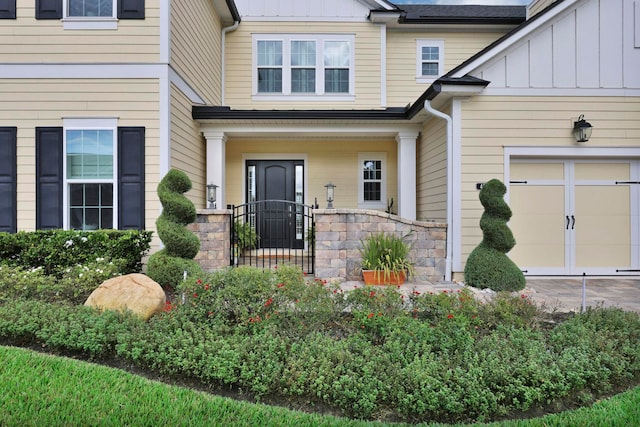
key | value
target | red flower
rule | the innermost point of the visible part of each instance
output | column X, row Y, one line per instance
column 199, row 281
column 449, row 316
column 372, row 294
column 370, row 315
column 206, row 287
column 210, row 313
column 195, row 295
column 280, row 285
column 269, row 302
column 305, row 274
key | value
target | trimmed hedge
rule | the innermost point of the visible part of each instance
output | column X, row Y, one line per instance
column 55, row 251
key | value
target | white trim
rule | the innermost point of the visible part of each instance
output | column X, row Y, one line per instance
column 502, row 91
column 164, row 136
column 165, row 31
column 292, row 130
column 275, row 156
column 71, row 123
column 89, row 22
column 297, row 19
column 184, row 87
column 82, row 71
column 420, row 43
column 376, row 156
column 262, row 97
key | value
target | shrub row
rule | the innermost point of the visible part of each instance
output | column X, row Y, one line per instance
column 57, row 250
column 370, row 353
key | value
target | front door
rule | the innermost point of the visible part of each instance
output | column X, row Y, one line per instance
column 278, row 185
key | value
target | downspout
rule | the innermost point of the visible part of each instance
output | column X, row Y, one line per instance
column 429, row 109
column 222, row 61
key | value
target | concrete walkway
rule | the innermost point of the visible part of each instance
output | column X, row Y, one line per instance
column 560, row 294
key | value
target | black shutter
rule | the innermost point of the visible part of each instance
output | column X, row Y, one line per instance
column 8, row 198
column 130, row 9
column 48, row 9
column 49, row 178
column 131, row 178
column 7, row 9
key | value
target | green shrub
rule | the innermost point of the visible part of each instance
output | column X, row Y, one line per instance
column 488, row 265
column 167, row 266
column 57, row 250
column 245, row 235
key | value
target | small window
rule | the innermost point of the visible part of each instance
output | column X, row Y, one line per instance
column 89, row 14
column 372, row 180
column 311, row 65
column 430, row 60
column 90, row 173
column 87, row 8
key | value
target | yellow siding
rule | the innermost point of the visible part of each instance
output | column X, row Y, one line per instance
column 334, row 160
column 188, row 147
column 431, row 171
column 196, row 47
column 47, row 102
column 491, row 123
column 538, row 6
column 402, row 87
column 27, row 40
column 367, row 64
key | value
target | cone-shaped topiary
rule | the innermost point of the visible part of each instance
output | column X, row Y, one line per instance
column 167, row 266
column 488, row 265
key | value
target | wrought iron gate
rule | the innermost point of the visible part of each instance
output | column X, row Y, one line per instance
column 267, row 233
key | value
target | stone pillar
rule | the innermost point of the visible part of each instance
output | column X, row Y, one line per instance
column 407, row 174
column 213, row 228
column 216, row 142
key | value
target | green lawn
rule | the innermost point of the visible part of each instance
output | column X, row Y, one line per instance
column 43, row 390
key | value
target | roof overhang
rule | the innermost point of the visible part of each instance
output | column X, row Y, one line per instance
column 227, row 10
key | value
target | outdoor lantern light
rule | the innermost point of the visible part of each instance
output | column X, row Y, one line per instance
column 582, row 129
column 211, row 195
column 330, row 188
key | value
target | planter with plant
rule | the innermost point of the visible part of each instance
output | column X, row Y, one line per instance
column 385, row 259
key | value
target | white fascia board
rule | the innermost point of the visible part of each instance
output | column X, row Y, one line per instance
column 510, row 41
column 461, row 90
column 82, row 71
column 349, row 129
column 374, row 4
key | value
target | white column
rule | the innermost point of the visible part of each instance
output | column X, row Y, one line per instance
column 216, row 142
column 407, row 174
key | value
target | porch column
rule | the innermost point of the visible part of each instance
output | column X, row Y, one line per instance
column 216, row 142
column 407, row 174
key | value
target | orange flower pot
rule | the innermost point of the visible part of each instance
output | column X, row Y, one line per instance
column 376, row 277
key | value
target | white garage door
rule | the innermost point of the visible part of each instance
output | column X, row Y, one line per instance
column 574, row 216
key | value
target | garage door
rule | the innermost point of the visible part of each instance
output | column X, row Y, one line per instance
column 574, row 217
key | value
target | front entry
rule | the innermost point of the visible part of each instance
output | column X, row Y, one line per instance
column 273, row 182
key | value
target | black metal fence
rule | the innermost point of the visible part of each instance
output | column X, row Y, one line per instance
column 267, row 233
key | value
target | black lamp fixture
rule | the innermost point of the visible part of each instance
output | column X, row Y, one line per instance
column 330, row 188
column 582, row 129
column 211, row 195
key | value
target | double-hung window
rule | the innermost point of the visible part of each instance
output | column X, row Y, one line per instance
column 430, row 60
column 90, row 173
column 303, row 65
column 372, row 180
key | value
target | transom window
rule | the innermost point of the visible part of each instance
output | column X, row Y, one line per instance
column 372, row 180
column 430, row 60
column 303, row 65
column 90, row 173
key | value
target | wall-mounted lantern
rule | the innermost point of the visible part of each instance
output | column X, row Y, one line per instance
column 330, row 199
column 582, row 129
column 212, row 189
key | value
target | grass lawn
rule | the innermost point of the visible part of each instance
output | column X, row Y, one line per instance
column 44, row 390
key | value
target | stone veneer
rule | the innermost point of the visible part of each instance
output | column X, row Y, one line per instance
column 213, row 228
column 340, row 232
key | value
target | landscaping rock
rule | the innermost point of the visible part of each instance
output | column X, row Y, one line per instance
column 133, row 292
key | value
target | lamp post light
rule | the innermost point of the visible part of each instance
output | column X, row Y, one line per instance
column 582, row 129
column 211, row 195
column 330, row 199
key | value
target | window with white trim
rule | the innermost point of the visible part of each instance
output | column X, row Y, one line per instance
column 89, row 14
column 312, row 65
column 372, row 183
column 90, row 173
column 430, row 60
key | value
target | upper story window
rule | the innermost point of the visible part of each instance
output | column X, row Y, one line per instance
column 311, row 65
column 430, row 60
column 90, row 14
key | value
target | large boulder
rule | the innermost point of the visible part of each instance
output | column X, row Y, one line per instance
column 133, row 292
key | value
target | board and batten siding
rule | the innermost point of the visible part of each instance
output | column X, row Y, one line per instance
column 402, row 59
column 196, row 47
column 491, row 123
column 28, row 104
column 327, row 159
column 239, row 63
column 188, row 148
column 27, row 40
column 431, row 171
